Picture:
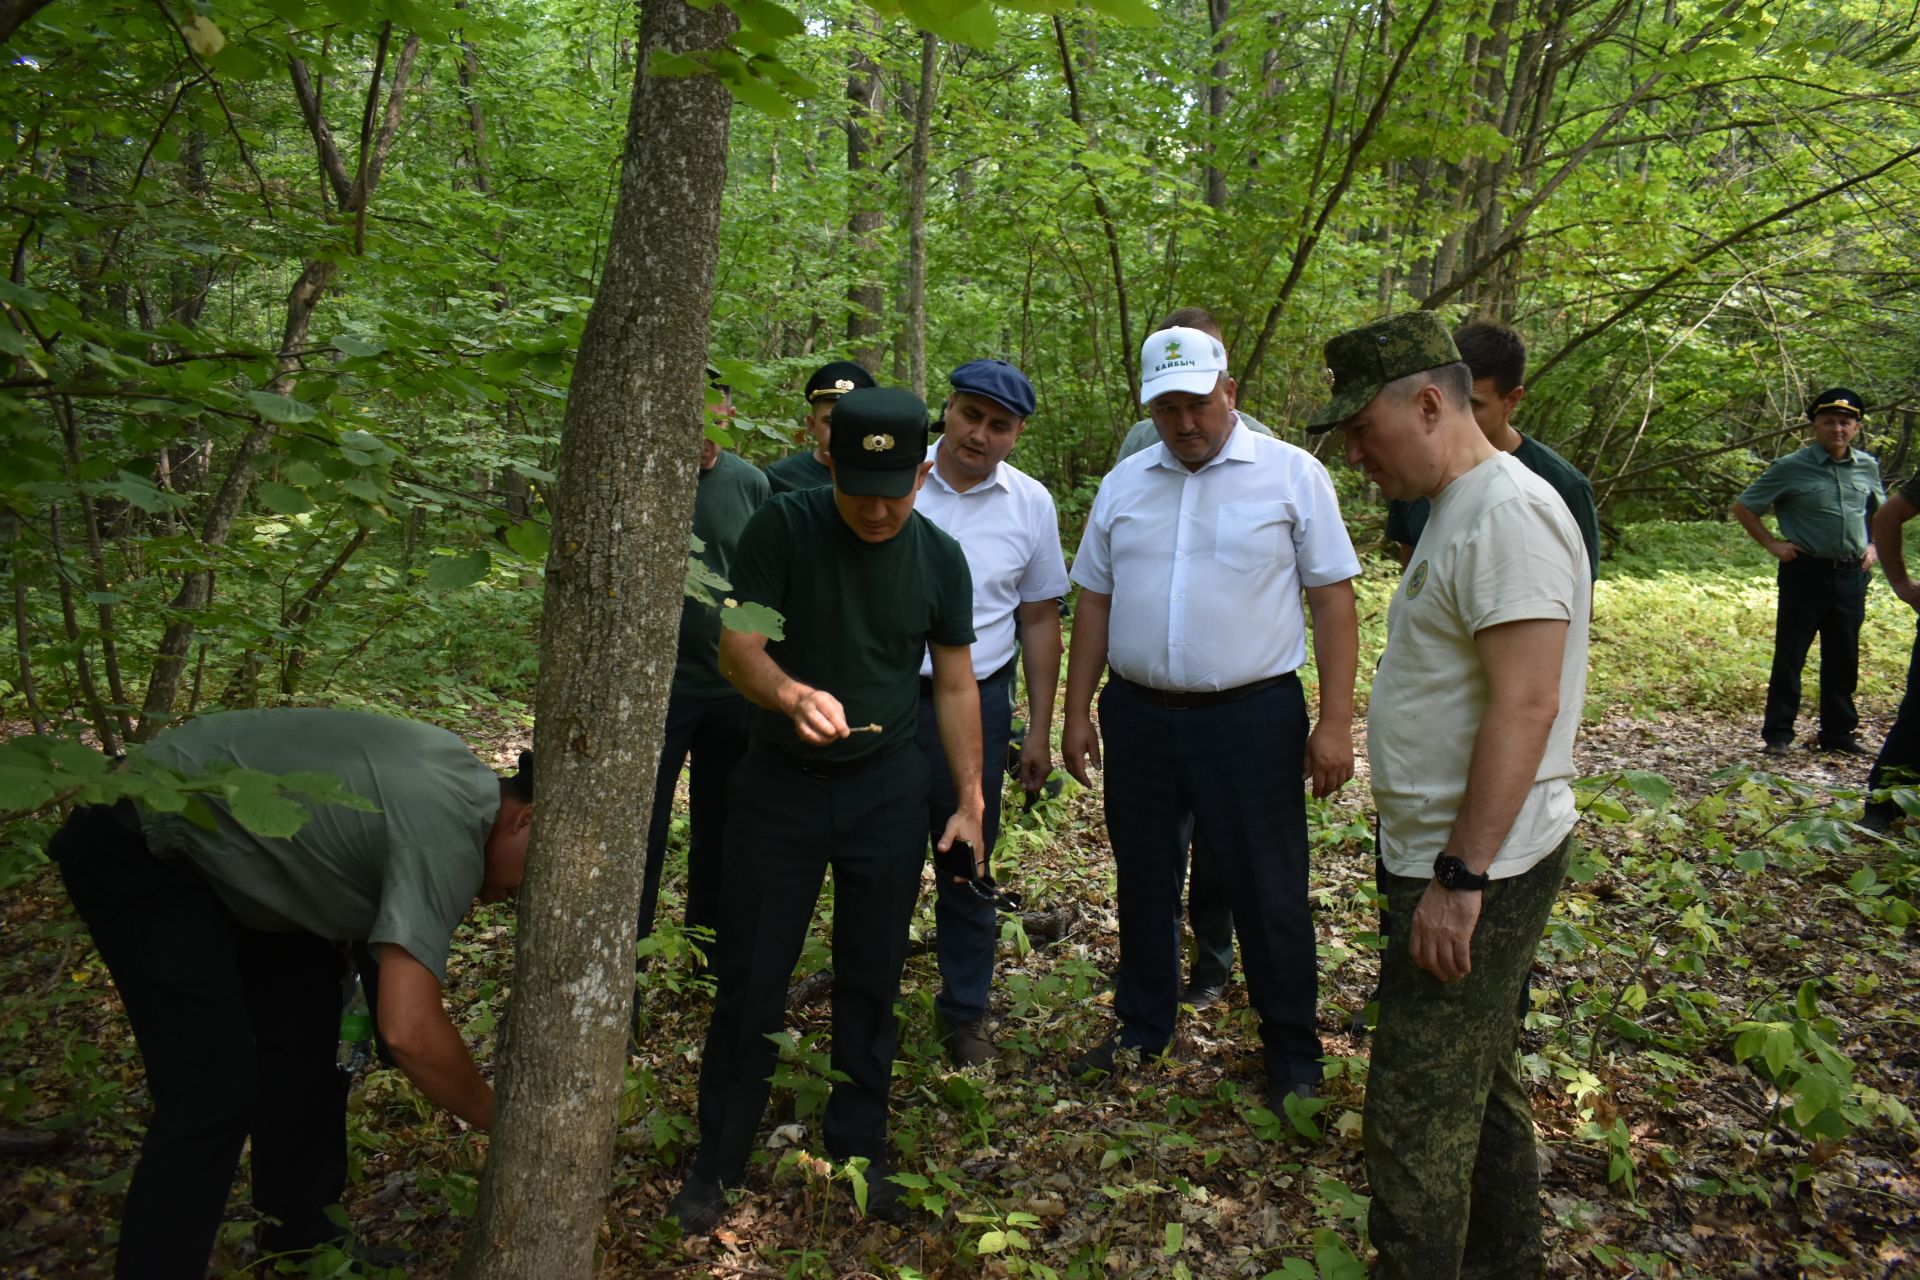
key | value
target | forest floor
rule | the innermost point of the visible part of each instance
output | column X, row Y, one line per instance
column 1737, row 897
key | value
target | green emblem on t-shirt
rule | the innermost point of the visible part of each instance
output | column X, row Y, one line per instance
column 1417, row 579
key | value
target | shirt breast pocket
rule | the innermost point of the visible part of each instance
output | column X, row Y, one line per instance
column 1249, row 536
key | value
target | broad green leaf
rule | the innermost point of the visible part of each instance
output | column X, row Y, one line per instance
column 1175, row 1236
column 1134, row 13
column 266, row 813
column 529, row 539
column 450, row 573
column 25, row 789
column 776, row 20
column 755, row 619
column 283, row 499
column 281, row 410
column 991, row 1242
column 348, row 345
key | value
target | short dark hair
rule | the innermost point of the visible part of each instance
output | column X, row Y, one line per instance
column 1454, row 380
column 520, row 784
column 1193, row 318
column 1492, row 350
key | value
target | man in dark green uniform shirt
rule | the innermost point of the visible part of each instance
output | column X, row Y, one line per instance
column 226, row 948
column 1497, row 357
column 706, row 716
column 865, row 585
column 808, row 469
column 1824, row 494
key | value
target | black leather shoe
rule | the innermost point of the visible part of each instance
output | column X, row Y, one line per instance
column 699, row 1206
column 1202, row 996
column 1845, row 747
column 1277, row 1091
column 1777, row 749
column 966, row 1043
column 1097, row 1059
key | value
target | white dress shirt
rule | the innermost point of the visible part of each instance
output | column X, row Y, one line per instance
column 1206, row 567
column 1007, row 526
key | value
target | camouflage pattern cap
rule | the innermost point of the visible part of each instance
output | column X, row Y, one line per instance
column 1362, row 361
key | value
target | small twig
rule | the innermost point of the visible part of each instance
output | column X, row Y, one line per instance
column 866, row 728
column 233, row 126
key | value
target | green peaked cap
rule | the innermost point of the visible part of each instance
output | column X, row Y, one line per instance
column 1362, row 361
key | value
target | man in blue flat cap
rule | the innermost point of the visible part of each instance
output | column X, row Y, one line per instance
column 1824, row 495
column 1005, row 522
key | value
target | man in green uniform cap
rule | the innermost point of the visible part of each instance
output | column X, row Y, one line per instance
column 864, row 585
column 227, row 949
column 1824, row 494
column 706, row 716
column 1497, row 357
column 1486, row 656
column 808, row 468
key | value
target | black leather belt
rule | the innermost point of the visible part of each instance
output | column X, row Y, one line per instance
column 825, row 769
column 1192, row 699
column 926, row 683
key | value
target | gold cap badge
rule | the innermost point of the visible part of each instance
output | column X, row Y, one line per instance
column 878, row 443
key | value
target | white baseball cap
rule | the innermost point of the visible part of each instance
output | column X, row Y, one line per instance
column 1180, row 360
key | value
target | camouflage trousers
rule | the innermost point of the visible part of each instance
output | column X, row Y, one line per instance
column 1449, row 1128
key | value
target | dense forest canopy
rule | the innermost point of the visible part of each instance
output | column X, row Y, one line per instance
column 292, row 288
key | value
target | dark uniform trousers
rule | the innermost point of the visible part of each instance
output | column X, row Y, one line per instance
column 1899, row 760
column 786, row 828
column 1209, row 919
column 713, row 731
column 239, row 1031
column 1449, row 1127
column 1827, row 598
column 1227, row 774
column 967, row 927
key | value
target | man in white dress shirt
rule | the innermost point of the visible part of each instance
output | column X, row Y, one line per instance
column 1005, row 523
column 1191, row 568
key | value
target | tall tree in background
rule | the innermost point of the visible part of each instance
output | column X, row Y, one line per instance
column 615, row 577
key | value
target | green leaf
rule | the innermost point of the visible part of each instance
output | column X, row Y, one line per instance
column 968, row 22
column 755, row 619
column 992, row 1242
column 1175, row 1236
column 1650, row 787
column 529, row 540
column 266, row 813
column 283, row 499
column 348, row 345
column 282, row 410
column 450, row 573
column 776, row 20
column 25, row 788
column 1134, row 13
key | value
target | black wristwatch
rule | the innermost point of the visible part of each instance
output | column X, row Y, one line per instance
column 1452, row 873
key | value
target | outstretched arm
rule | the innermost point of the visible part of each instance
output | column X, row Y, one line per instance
column 417, row 1031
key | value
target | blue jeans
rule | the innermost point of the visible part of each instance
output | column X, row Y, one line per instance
column 967, row 930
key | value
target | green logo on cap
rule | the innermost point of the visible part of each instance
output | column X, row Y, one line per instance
column 1173, row 349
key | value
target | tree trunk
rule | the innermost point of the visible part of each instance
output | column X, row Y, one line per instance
column 917, row 216
column 1214, row 185
column 621, row 512
column 866, row 298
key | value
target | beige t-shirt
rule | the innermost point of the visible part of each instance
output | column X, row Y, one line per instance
column 1499, row 547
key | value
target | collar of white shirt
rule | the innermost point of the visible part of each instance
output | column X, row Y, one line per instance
column 997, row 480
column 1238, row 448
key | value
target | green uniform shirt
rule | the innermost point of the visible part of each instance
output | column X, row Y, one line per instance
column 1823, row 505
column 1406, row 520
column 798, row 473
column 405, row 875
column 858, row 615
column 730, row 491
column 1143, row 433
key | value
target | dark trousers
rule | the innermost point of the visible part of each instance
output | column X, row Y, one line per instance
column 1826, row 599
column 786, row 829
column 1899, row 760
column 1209, row 919
column 1228, row 775
column 713, row 732
column 966, row 923
column 1449, row 1125
column 238, row 1030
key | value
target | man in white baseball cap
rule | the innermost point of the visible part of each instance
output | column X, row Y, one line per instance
column 1202, row 715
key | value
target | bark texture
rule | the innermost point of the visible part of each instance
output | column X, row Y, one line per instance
column 621, row 512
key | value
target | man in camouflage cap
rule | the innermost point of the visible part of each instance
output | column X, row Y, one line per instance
column 1487, row 646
